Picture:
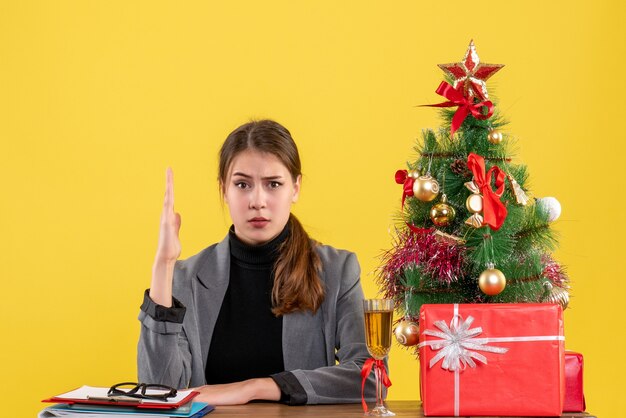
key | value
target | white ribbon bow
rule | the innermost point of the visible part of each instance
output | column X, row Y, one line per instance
column 458, row 345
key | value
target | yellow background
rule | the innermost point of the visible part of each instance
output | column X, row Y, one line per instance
column 97, row 98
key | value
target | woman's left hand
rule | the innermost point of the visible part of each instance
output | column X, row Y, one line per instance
column 239, row 393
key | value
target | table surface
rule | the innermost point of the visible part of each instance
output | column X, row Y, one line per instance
column 269, row 410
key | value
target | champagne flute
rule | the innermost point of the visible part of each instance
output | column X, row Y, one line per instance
column 378, row 324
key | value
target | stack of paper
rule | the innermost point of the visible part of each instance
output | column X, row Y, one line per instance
column 93, row 402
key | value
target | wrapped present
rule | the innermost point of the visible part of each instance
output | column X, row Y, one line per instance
column 492, row 359
column 574, row 396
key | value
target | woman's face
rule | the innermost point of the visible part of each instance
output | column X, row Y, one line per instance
column 259, row 192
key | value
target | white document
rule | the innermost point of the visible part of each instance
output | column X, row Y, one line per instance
column 87, row 392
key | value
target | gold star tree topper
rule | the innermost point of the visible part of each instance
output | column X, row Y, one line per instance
column 471, row 73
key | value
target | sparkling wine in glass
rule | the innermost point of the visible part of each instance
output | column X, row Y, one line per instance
column 378, row 330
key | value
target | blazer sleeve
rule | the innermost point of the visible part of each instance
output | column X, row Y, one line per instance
column 163, row 354
column 341, row 383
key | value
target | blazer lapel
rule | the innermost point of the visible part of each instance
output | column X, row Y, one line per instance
column 213, row 277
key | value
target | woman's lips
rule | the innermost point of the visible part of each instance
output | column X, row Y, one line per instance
column 258, row 222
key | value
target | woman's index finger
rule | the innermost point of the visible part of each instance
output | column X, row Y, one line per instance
column 169, row 188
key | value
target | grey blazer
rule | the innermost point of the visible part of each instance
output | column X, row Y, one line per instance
column 174, row 354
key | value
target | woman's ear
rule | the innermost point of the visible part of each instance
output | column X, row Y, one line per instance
column 296, row 188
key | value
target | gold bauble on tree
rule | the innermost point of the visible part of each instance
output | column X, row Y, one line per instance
column 407, row 332
column 491, row 281
column 494, row 136
column 425, row 188
column 555, row 294
column 442, row 214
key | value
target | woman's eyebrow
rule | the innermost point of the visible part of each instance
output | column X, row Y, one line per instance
column 240, row 174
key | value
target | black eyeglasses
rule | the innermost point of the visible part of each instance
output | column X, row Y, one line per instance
column 138, row 390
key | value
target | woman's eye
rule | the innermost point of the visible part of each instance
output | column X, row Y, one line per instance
column 274, row 185
column 241, row 185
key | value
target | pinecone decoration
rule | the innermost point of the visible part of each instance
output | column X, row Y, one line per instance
column 459, row 167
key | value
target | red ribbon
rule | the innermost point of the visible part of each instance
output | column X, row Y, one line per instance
column 466, row 106
column 494, row 211
column 366, row 370
column 402, row 177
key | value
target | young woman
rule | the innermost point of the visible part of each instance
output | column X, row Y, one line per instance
column 267, row 313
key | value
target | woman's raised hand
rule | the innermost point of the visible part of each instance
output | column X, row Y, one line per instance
column 168, row 249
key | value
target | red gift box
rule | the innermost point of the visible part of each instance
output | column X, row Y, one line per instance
column 492, row 359
column 574, row 396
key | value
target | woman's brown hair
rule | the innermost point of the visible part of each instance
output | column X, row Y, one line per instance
column 297, row 282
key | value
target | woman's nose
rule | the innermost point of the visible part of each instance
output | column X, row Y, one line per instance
column 257, row 198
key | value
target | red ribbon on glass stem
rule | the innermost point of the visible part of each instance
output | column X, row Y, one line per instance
column 402, row 177
column 494, row 211
column 367, row 369
column 466, row 106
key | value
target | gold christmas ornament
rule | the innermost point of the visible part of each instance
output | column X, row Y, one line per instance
column 491, row 281
column 520, row 196
column 554, row 294
column 450, row 239
column 474, row 203
column 442, row 214
column 494, row 136
column 414, row 174
column 425, row 188
column 476, row 220
column 472, row 187
column 407, row 332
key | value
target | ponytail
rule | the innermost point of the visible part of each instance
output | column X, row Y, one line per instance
column 297, row 282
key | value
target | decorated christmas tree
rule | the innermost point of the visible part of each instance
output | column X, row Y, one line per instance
column 469, row 230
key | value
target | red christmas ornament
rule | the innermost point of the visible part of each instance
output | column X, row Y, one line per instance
column 471, row 74
column 466, row 105
column 407, row 180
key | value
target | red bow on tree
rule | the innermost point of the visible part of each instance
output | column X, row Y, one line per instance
column 466, row 106
column 367, row 368
column 402, row 177
column 494, row 211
